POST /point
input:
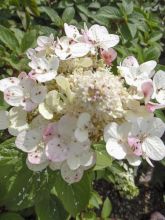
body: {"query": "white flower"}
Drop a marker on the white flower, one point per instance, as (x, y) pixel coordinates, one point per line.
(99, 37)
(22, 91)
(29, 140)
(149, 131)
(81, 132)
(71, 176)
(44, 69)
(64, 146)
(4, 120)
(14, 120)
(135, 74)
(45, 43)
(140, 138)
(72, 32)
(159, 87)
(47, 108)
(65, 49)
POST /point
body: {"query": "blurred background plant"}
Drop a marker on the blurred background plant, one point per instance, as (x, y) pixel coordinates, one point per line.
(140, 25)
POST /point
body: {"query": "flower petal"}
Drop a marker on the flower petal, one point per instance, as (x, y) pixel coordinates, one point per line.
(133, 160)
(116, 149)
(38, 93)
(111, 131)
(56, 151)
(154, 148)
(81, 134)
(27, 141)
(37, 157)
(71, 176)
(36, 167)
(8, 82)
(14, 95)
(4, 120)
(45, 111)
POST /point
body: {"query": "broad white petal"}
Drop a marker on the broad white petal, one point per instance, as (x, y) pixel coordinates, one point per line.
(87, 158)
(111, 131)
(83, 120)
(37, 157)
(133, 160)
(81, 134)
(67, 126)
(36, 167)
(38, 93)
(27, 141)
(73, 162)
(4, 120)
(14, 95)
(8, 82)
(55, 165)
(109, 41)
(116, 149)
(79, 49)
(130, 61)
(56, 151)
(154, 148)
(148, 66)
(45, 77)
(71, 31)
(45, 111)
(71, 176)
(156, 127)
(28, 105)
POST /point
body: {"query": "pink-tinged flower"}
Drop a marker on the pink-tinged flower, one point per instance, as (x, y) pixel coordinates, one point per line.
(99, 37)
(44, 69)
(151, 106)
(66, 49)
(132, 140)
(50, 131)
(147, 89)
(72, 32)
(135, 145)
(135, 74)
(22, 91)
(108, 56)
(159, 87)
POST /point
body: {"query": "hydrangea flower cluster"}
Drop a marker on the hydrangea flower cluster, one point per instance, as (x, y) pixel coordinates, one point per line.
(71, 98)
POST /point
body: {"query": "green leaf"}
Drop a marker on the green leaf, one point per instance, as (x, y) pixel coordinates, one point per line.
(29, 40)
(159, 113)
(152, 53)
(125, 32)
(84, 10)
(68, 14)
(32, 4)
(128, 6)
(103, 160)
(110, 12)
(95, 200)
(50, 208)
(19, 187)
(53, 15)
(8, 38)
(11, 216)
(107, 208)
(156, 36)
(74, 197)
(100, 19)
(133, 29)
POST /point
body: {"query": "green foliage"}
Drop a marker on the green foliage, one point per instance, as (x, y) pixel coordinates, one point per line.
(107, 208)
(74, 197)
